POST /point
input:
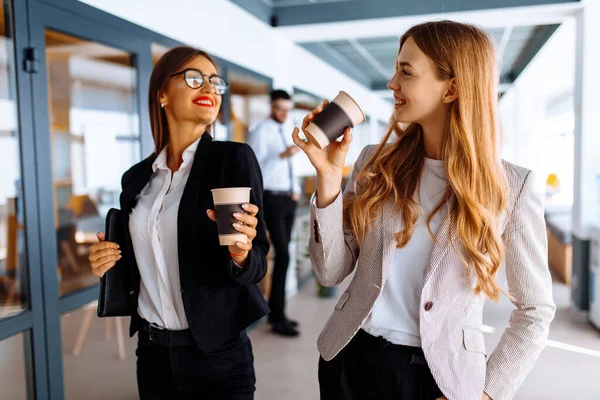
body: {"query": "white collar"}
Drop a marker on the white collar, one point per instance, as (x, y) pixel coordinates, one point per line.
(188, 156)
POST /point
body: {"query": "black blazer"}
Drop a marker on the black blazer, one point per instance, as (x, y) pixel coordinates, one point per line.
(219, 298)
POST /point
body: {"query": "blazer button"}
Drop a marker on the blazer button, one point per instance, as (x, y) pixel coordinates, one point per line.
(428, 306)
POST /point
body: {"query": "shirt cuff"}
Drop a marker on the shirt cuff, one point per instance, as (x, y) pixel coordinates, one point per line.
(236, 264)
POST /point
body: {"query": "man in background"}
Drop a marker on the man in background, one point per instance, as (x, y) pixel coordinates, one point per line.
(271, 143)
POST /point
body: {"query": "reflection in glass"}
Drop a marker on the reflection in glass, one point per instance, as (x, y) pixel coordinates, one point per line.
(94, 128)
(158, 50)
(97, 350)
(13, 379)
(13, 298)
(249, 104)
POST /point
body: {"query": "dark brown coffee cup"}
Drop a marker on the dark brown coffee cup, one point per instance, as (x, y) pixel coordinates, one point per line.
(342, 113)
(228, 201)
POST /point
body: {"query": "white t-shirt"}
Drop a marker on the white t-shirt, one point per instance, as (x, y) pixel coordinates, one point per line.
(395, 315)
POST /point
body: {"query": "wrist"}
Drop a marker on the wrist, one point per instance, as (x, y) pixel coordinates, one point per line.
(239, 258)
(330, 180)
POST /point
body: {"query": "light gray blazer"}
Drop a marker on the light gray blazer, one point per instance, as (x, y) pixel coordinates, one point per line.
(450, 314)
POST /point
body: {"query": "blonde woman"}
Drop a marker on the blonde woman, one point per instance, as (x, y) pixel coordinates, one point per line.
(425, 224)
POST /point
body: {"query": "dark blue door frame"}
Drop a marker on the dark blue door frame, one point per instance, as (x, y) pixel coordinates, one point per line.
(41, 323)
(42, 17)
(31, 322)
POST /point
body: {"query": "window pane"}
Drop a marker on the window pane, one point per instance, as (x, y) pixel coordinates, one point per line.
(158, 50)
(94, 127)
(13, 379)
(249, 104)
(13, 263)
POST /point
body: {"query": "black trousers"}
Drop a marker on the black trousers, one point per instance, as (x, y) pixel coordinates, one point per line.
(371, 368)
(279, 212)
(184, 372)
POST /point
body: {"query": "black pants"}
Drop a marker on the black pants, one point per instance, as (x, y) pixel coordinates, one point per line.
(279, 212)
(184, 372)
(371, 368)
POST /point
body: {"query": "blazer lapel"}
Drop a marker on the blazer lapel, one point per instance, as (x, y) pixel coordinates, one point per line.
(128, 201)
(134, 188)
(188, 213)
(391, 223)
(441, 244)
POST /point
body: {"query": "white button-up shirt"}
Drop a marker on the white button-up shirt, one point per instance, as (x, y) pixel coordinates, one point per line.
(153, 227)
(268, 139)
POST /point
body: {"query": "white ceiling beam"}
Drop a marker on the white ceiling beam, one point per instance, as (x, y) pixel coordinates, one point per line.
(385, 72)
(504, 41)
(344, 60)
(289, 3)
(396, 26)
(503, 87)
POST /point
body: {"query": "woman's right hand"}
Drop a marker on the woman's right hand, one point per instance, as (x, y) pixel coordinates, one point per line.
(103, 256)
(329, 162)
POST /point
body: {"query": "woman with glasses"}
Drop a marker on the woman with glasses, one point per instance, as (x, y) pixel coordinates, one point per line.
(193, 298)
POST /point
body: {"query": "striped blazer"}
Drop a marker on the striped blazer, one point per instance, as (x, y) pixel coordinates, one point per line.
(450, 313)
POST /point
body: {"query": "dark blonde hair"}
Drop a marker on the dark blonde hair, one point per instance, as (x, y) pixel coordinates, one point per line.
(477, 185)
(171, 62)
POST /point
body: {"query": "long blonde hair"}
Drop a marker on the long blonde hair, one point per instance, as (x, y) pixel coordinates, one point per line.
(477, 185)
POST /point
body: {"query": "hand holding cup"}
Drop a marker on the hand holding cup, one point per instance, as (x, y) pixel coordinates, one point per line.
(330, 160)
(236, 220)
(323, 126)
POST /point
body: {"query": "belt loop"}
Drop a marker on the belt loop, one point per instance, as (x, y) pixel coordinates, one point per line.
(383, 342)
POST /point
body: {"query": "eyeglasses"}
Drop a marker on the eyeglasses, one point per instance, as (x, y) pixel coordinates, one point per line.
(195, 79)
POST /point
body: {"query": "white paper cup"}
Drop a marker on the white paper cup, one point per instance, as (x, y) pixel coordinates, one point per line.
(228, 201)
(342, 113)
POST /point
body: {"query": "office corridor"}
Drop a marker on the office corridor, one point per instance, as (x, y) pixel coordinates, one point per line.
(287, 368)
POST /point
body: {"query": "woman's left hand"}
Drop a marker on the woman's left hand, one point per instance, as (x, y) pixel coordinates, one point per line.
(246, 224)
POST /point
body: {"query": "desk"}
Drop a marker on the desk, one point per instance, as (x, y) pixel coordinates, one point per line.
(560, 251)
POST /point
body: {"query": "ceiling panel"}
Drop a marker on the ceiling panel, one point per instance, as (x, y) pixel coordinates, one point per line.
(521, 46)
(496, 34)
(372, 63)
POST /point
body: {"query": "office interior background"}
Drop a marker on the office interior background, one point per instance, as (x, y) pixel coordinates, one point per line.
(73, 117)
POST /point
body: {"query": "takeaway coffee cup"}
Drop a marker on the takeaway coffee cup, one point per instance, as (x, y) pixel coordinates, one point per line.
(343, 112)
(228, 201)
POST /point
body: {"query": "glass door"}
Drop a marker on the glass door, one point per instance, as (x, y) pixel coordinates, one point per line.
(22, 335)
(89, 107)
(247, 101)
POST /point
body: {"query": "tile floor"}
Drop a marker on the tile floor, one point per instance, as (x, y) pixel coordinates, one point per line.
(286, 368)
